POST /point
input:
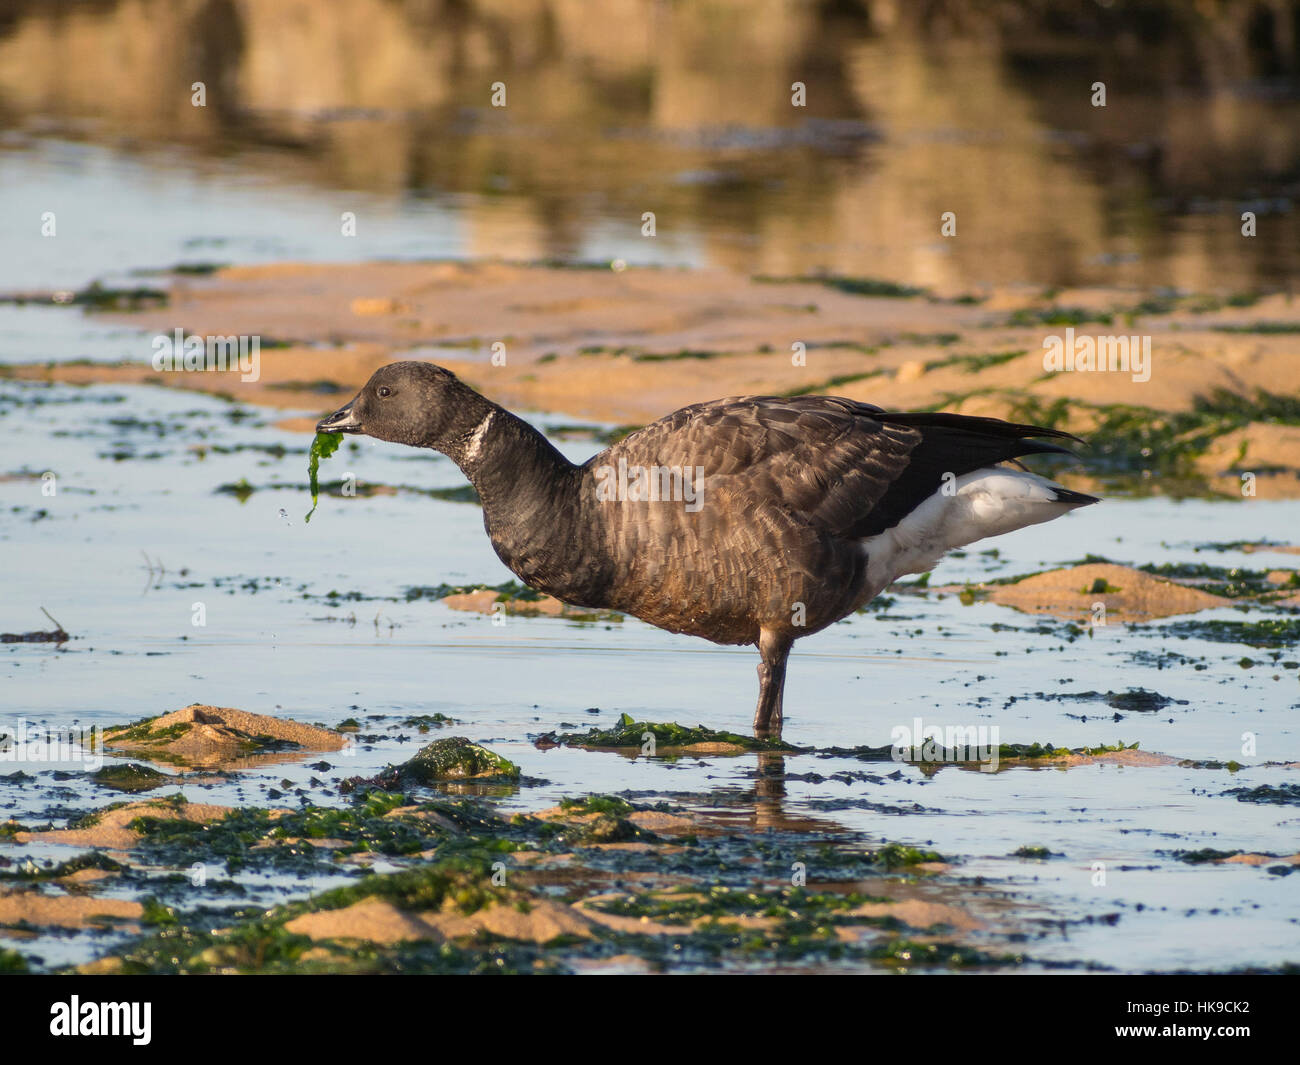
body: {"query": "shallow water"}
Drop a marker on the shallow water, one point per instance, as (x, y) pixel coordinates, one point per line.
(311, 621)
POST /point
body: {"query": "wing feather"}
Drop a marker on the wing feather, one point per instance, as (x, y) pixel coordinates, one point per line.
(825, 460)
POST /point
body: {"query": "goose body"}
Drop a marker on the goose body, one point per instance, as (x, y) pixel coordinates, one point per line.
(749, 520)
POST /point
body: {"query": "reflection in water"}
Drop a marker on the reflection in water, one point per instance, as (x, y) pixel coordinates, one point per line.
(685, 110)
(771, 769)
(769, 790)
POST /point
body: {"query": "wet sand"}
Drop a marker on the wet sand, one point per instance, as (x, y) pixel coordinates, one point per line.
(625, 347)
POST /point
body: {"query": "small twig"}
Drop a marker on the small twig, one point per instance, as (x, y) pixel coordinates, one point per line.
(58, 627)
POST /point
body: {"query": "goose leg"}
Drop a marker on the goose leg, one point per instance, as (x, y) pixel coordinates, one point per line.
(774, 649)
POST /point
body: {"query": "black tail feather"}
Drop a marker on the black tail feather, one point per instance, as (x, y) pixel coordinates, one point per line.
(1067, 495)
(956, 444)
(993, 427)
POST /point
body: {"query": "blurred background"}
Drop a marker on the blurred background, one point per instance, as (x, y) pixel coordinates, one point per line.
(981, 107)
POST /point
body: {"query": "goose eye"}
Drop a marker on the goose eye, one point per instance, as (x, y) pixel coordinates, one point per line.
(385, 391)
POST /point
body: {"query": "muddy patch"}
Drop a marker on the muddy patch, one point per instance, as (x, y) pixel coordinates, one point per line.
(1126, 594)
(213, 736)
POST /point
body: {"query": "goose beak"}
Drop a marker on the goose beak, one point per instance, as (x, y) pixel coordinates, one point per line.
(343, 420)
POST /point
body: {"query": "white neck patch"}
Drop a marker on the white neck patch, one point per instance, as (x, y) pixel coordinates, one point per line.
(476, 441)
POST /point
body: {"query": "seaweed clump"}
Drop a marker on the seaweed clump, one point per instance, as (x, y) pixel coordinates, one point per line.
(451, 759)
(322, 447)
(667, 736)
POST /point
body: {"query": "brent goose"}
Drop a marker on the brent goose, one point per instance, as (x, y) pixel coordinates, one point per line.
(751, 520)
